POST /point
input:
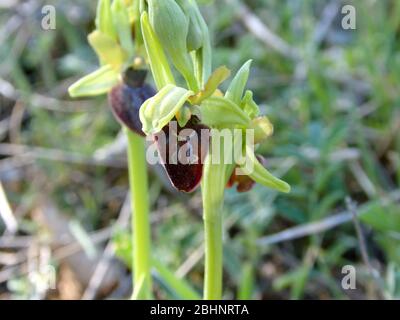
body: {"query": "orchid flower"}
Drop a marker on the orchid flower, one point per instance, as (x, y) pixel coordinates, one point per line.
(175, 31)
(122, 75)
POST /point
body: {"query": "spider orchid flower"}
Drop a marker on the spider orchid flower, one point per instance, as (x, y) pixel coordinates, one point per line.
(120, 74)
(212, 110)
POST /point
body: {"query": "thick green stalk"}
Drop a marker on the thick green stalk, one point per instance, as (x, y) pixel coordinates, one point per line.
(213, 186)
(140, 216)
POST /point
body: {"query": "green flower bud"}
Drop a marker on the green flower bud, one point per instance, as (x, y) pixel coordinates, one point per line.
(195, 37)
(263, 129)
(172, 27)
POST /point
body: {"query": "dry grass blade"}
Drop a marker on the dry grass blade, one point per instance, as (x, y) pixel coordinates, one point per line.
(6, 213)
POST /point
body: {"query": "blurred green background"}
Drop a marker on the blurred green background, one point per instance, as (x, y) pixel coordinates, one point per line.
(333, 96)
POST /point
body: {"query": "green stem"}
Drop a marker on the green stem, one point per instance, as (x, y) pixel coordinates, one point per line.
(140, 216)
(213, 259)
(213, 186)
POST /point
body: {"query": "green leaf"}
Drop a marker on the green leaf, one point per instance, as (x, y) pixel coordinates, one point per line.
(107, 49)
(236, 88)
(157, 111)
(255, 170)
(96, 83)
(180, 287)
(246, 285)
(382, 217)
(218, 76)
(249, 106)
(121, 21)
(104, 21)
(221, 112)
(158, 61)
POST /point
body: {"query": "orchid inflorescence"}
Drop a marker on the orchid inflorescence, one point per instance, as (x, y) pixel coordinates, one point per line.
(172, 38)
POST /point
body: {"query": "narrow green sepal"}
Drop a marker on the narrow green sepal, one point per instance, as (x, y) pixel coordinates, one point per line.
(96, 83)
(255, 170)
(218, 76)
(238, 84)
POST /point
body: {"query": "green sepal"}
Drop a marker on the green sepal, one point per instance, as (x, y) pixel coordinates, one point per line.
(96, 83)
(249, 106)
(220, 112)
(259, 174)
(123, 26)
(238, 84)
(107, 49)
(104, 20)
(159, 110)
(218, 76)
(183, 116)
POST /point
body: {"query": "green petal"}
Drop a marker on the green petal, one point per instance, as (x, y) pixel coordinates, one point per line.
(107, 49)
(218, 76)
(249, 106)
(222, 113)
(236, 88)
(261, 175)
(96, 83)
(104, 22)
(158, 61)
(157, 111)
(121, 21)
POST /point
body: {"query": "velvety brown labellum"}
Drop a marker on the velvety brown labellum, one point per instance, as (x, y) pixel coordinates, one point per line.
(182, 151)
(126, 99)
(243, 183)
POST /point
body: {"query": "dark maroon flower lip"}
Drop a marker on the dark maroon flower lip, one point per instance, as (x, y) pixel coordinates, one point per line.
(184, 177)
(243, 183)
(126, 98)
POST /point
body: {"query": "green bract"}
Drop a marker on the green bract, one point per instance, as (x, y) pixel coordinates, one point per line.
(158, 61)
